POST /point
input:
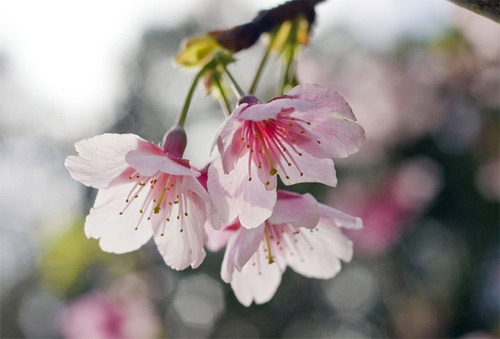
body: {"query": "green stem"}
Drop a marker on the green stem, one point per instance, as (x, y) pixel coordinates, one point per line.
(237, 88)
(291, 44)
(225, 100)
(183, 114)
(263, 61)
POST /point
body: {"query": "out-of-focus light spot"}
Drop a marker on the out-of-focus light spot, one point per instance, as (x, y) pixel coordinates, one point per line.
(198, 301)
(417, 182)
(354, 290)
(38, 314)
(488, 180)
(237, 328)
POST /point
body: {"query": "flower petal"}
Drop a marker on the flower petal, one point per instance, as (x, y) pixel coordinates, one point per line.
(148, 163)
(326, 100)
(101, 158)
(270, 110)
(296, 209)
(223, 204)
(117, 233)
(217, 239)
(240, 248)
(315, 253)
(236, 195)
(340, 218)
(330, 137)
(183, 240)
(310, 169)
(258, 281)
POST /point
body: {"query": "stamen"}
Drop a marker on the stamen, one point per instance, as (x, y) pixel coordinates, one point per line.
(268, 245)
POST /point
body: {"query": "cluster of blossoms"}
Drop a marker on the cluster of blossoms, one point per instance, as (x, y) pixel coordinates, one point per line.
(148, 191)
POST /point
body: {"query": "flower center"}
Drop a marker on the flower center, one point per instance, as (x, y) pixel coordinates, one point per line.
(162, 195)
(272, 144)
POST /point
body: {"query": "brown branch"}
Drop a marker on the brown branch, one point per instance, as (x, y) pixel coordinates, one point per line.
(244, 36)
(487, 8)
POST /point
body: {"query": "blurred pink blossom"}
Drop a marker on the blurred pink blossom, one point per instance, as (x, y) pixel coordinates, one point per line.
(386, 210)
(105, 315)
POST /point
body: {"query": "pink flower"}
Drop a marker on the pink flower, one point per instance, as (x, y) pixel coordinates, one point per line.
(103, 315)
(144, 191)
(300, 233)
(294, 136)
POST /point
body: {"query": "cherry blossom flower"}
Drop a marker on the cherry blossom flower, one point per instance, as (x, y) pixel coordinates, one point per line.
(144, 191)
(111, 313)
(294, 136)
(301, 233)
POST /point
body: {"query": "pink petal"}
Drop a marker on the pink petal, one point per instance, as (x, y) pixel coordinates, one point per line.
(101, 158)
(326, 100)
(223, 204)
(315, 253)
(330, 137)
(183, 240)
(271, 109)
(340, 218)
(226, 130)
(312, 169)
(237, 196)
(117, 232)
(240, 248)
(258, 280)
(217, 239)
(296, 209)
(148, 163)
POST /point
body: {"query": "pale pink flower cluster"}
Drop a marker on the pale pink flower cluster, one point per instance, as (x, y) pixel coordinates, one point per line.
(150, 191)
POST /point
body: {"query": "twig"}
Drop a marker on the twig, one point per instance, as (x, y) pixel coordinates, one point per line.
(244, 36)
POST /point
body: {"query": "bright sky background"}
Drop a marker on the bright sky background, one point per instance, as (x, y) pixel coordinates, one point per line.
(69, 55)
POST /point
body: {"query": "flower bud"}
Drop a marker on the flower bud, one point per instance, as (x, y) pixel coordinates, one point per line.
(248, 99)
(175, 141)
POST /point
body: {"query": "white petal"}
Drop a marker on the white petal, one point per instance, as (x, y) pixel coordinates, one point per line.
(184, 238)
(239, 250)
(117, 232)
(237, 196)
(101, 158)
(258, 280)
(222, 203)
(315, 253)
(313, 170)
(147, 163)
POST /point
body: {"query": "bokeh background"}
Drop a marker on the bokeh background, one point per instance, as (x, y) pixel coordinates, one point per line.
(421, 76)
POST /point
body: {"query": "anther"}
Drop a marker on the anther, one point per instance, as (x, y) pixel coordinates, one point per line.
(249, 179)
(301, 174)
(267, 183)
(318, 141)
(121, 213)
(273, 171)
(300, 154)
(185, 213)
(308, 123)
(287, 177)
